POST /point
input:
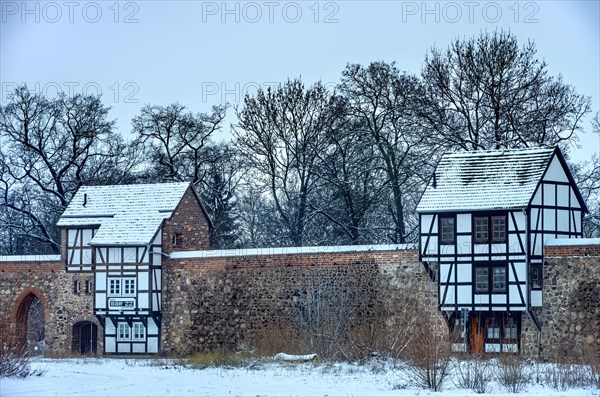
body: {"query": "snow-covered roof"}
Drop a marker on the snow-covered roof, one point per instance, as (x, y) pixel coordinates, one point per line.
(485, 180)
(125, 214)
(289, 250)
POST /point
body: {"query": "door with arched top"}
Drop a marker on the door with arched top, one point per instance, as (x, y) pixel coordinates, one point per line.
(85, 337)
(31, 324)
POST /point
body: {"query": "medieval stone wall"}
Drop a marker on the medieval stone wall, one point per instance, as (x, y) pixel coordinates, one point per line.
(228, 301)
(55, 288)
(570, 315)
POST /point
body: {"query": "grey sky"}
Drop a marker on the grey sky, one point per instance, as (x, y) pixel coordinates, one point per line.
(201, 53)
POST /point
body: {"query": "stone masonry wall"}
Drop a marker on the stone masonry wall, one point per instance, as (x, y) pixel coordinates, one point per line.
(227, 301)
(55, 288)
(570, 316)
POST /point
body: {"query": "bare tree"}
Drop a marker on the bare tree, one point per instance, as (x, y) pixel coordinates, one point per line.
(488, 93)
(176, 139)
(386, 103)
(280, 133)
(49, 148)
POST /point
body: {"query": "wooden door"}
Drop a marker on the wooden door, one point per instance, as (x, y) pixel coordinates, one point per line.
(477, 336)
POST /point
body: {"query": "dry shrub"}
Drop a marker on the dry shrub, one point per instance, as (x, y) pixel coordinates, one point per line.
(14, 357)
(513, 373)
(428, 355)
(564, 376)
(474, 374)
(273, 338)
(219, 358)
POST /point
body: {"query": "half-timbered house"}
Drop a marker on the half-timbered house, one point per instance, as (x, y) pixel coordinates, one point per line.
(119, 234)
(484, 218)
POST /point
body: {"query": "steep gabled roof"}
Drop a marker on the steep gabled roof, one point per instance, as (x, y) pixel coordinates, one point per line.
(485, 180)
(125, 214)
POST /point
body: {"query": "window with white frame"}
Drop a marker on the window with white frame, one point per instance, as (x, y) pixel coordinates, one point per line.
(118, 286)
(125, 333)
(114, 286)
(128, 286)
(139, 331)
(499, 279)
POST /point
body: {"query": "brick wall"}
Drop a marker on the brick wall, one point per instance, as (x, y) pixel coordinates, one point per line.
(189, 222)
(227, 301)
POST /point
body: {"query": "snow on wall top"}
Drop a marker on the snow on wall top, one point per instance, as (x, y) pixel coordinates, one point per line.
(484, 180)
(289, 250)
(125, 214)
(29, 258)
(557, 242)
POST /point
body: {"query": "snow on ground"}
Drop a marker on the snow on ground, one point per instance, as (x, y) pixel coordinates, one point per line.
(146, 377)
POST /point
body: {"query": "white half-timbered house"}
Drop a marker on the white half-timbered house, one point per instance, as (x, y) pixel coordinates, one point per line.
(484, 217)
(117, 234)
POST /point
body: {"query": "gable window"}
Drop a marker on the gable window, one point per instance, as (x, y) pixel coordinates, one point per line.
(481, 229)
(481, 279)
(447, 230)
(499, 228)
(498, 279)
(177, 238)
(536, 276)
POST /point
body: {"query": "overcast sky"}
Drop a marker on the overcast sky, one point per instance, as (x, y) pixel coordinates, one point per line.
(201, 53)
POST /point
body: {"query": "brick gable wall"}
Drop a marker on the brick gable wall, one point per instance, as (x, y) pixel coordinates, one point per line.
(189, 223)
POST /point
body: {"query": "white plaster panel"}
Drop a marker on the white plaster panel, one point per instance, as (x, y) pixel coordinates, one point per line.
(563, 220)
(156, 259)
(114, 255)
(464, 273)
(536, 298)
(463, 244)
(158, 238)
(537, 197)
(124, 347)
(555, 172)
(152, 344)
(519, 220)
(142, 300)
(577, 220)
(138, 348)
(444, 269)
(574, 202)
(498, 248)
(563, 195)
(450, 298)
(481, 299)
(513, 243)
(157, 281)
(426, 224)
(481, 249)
(515, 298)
(499, 298)
(549, 219)
(447, 249)
(129, 255)
(549, 195)
(464, 294)
(152, 327)
(100, 300)
(87, 236)
(110, 344)
(463, 223)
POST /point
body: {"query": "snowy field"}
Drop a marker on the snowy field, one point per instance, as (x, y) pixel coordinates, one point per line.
(128, 377)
